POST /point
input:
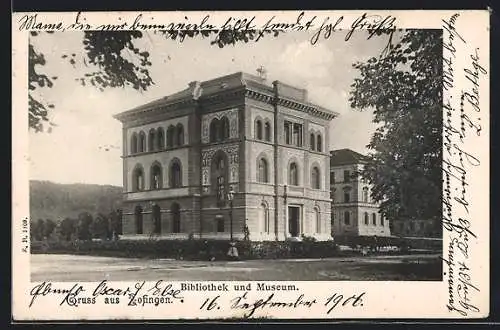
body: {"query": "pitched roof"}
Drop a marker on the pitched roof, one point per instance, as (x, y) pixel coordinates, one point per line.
(231, 81)
(197, 89)
(346, 157)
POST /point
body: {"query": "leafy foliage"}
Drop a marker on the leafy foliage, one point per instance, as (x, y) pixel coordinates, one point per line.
(101, 228)
(115, 218)
(114, 61)
(195, 249)
(404, 87)
(106, 52)
(49, 227)
(38, 111)
(59, 201)
(41, 229)
(67, 228)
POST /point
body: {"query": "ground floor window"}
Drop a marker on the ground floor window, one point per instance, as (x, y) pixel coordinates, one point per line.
(157, 219)
(176, 218)
(138, 219)
(347, 218)
(294, 220)
(220, 224)
(317, 218)
(264, 218)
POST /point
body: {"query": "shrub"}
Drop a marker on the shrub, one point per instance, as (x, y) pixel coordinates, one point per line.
(192, 249)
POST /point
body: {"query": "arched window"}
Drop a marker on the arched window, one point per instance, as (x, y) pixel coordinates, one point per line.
(312, 141)
(138, 219)
(175, 173)
(317, 219)
(170, 136)
(152, 140)
(156, 219)
(347, 218)
(374, 219)
(347, 197)
(262, 174)
(412, 226)
(138, 179)
(224, 129)
(264, 218)
(293, 174)
(382, 220)
(214, 128)
(267, 131)
(142, 142)
(220, 224)
(365, 194)
(319, 145)
(175, 210)
(219, 172)
(160, 139)
(315, 178)
(156, 177)
(366, 218)
(258, 129)
(180, 135)
(133, 143)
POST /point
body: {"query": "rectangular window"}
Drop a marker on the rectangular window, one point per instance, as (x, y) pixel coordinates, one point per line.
(346, 197)
(347, 176)
(293, 133)
(332, 177)
(286, 128)
(297, 135)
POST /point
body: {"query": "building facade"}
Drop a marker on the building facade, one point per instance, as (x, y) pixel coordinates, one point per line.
(354, 213)
(236, 135)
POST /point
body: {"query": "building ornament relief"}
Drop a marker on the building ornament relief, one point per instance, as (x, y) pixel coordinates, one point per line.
(232, 116)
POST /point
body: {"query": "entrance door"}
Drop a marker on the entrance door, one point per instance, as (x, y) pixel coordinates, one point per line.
(293, 220)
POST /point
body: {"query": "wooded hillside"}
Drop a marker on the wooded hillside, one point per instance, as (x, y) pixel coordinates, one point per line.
(55, 201)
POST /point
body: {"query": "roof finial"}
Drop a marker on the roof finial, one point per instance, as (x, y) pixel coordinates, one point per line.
(262, 72)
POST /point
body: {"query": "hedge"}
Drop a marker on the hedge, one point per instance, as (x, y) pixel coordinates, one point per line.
(404, 243)
(204, 249)
(190, 249)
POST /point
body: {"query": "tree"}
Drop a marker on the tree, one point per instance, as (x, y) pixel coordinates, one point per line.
(119, 221)
(115, 222)
(84, 226)
(113, 60)
(37, 230)
(67, 228)
(100, 227)
(49, 228)
(404, 88)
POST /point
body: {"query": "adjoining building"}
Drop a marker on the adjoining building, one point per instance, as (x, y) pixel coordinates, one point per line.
(354, 213)
(236, 135)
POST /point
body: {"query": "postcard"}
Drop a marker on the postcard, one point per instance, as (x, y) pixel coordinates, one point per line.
(250, 165)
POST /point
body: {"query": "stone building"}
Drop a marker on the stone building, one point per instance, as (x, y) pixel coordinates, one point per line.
(354, 213)
(184, 153)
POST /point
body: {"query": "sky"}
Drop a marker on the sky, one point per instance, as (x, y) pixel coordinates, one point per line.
(77, 149)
